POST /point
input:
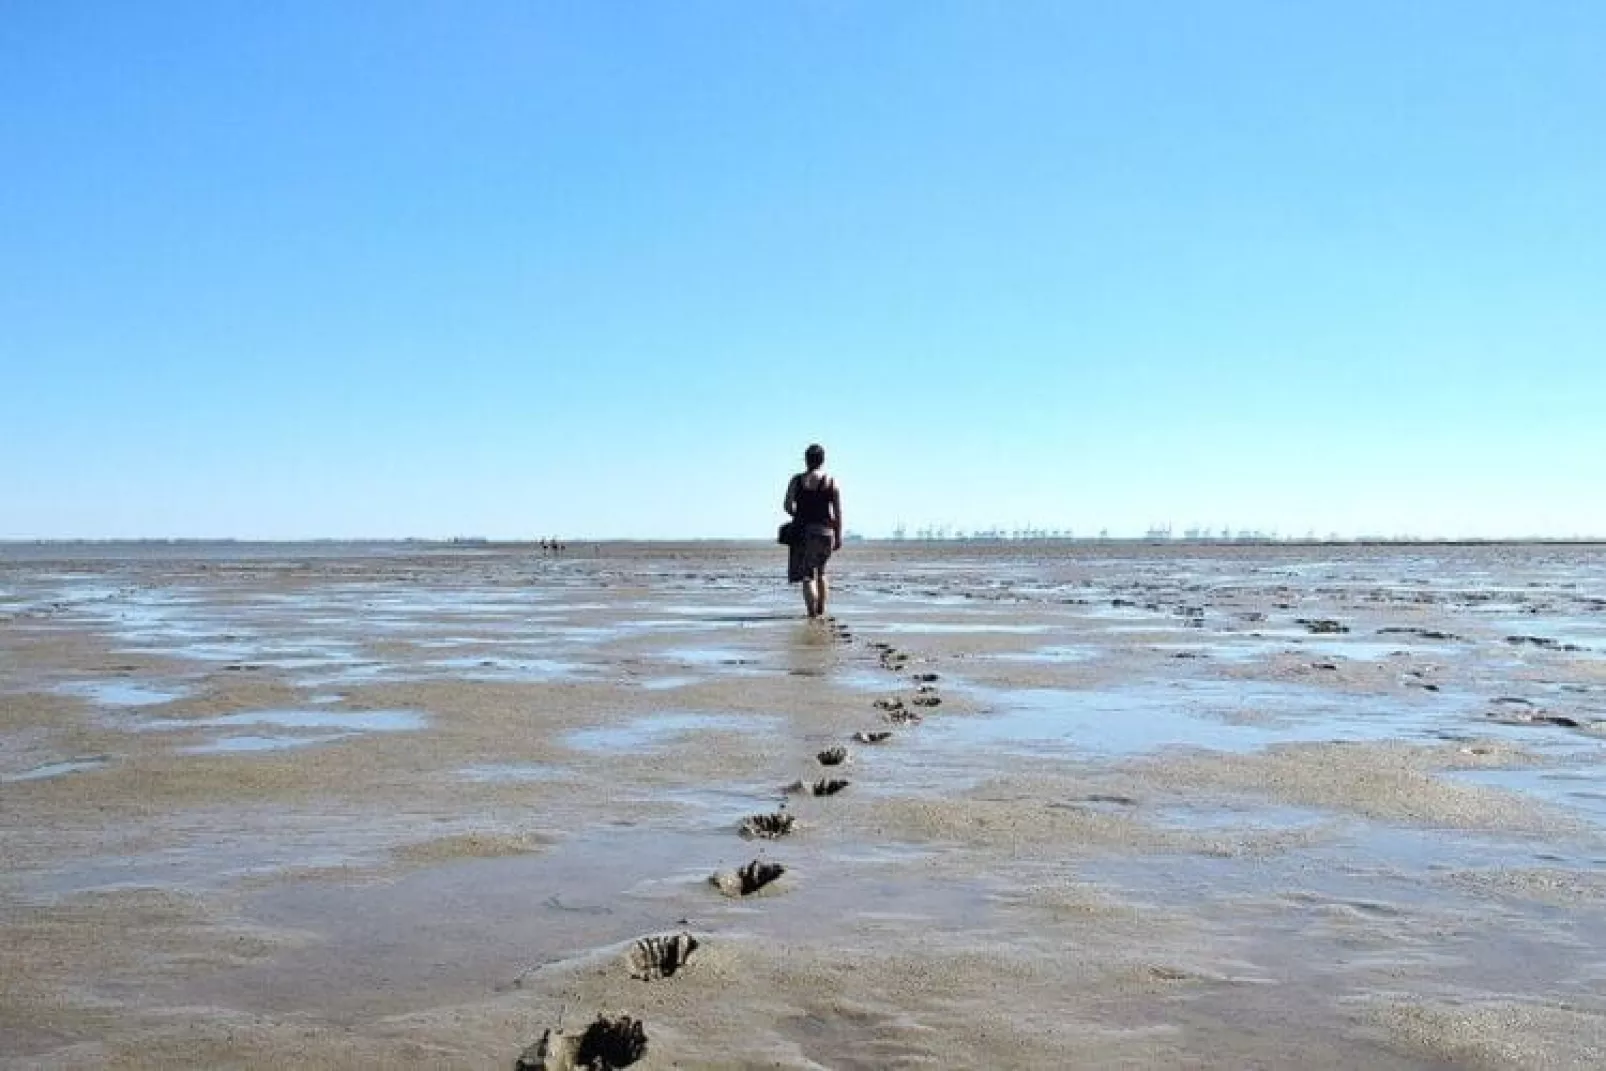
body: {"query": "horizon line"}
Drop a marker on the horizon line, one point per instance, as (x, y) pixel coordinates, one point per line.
(1145, 540)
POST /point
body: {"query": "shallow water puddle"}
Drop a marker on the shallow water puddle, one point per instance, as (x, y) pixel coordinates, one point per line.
(1373, 650)
(231, 744)
(370, 721)
(508, 669)
(1579, 789)
(668, 684)
(725, 614)
(347, 723)
(721, 806)
(1105, 611)
(725, 659)
(442, 643)
(210, 850)
(1411, 849)
(58, 769)
(1169, 625)
(353, 673)
(1254, 647)
(632, 629)
(119, 693)
(456, 602)
(210, 646)
(1359, 862)
(657, 730)
(1123, 721)
(1052, 655)
(1586, 633)
(857, 678)
(945, 628)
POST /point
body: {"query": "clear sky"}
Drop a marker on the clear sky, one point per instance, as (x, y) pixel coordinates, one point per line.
(604, 269)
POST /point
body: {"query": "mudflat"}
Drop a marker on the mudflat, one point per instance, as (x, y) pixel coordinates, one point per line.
(1021, 805)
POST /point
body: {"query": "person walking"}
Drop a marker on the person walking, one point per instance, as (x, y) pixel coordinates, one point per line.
(814, 502)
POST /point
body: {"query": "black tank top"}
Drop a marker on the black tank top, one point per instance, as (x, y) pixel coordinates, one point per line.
(814, 505)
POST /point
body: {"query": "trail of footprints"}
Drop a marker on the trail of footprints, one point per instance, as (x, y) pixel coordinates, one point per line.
(609, 1042)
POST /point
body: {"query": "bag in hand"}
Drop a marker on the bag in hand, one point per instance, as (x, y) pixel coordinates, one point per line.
(784, 536)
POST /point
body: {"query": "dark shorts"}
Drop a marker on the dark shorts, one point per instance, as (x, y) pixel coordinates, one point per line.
(808, 554)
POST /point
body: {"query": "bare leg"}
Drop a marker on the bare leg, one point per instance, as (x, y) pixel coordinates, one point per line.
(820, 594)
(809, 603)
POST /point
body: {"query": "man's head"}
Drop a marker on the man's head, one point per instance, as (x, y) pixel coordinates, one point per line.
(814, 456)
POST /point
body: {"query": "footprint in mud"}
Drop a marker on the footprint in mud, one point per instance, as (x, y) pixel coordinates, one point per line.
(872, 737)
(833, 756)
(825, 786)
(604, 1045)
(888, 705)
(767, 826)
(925, 678)
(746, 880)
(903, 717)
(927, 701)
(660, 956)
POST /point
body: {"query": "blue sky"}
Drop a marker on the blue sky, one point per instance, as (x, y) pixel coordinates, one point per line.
(604, 269)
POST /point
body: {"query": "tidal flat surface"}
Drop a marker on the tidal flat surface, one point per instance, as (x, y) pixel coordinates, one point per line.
(1135, 806)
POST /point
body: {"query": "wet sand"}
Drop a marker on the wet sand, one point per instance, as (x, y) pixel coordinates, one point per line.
(1140, 806)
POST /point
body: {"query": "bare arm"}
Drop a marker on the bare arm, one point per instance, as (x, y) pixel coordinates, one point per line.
(789, 503)
(836, 512)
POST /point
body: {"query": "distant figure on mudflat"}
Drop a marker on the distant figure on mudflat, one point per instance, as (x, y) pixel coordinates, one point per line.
(814, 503)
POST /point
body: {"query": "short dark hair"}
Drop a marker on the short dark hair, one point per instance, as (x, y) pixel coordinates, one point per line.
(814, 456)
